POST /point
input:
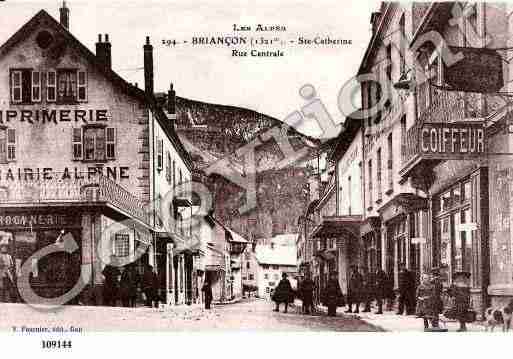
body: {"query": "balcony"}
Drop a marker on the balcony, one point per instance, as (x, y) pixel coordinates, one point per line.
(451, 127)
(60, 189)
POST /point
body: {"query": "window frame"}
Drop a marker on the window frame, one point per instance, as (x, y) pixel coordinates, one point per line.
(83, 86)
(34, 85)
(111, 143)
(18, 72)
(11, 145)
(51, 86)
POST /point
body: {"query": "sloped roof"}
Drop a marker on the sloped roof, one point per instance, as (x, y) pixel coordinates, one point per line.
(287, 239)
(279, 255)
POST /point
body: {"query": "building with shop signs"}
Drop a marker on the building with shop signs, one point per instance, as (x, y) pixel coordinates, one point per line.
(86, 154)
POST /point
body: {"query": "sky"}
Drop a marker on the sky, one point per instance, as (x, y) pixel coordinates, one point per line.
(267, 85)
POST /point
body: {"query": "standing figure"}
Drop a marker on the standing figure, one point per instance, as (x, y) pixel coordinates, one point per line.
(390, 294)
(406, 287)
(355, 290)
(283, 293)
(460, 291)
(427, 302)
(7, 270)
(111, 283)
(128, 286)
(306, 292)
(207, 292)
(369, 282)
(149, 286)
(381, 289)
(333, 296)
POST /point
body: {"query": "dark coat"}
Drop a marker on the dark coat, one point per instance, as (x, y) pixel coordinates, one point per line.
(111, 284)
(283, 292)
(332, 295)
(207, 289)
(355, 287)
(149, 280)
(381, 284)
(129, 283)
(306, 290)
(369, 286)
(405, 282)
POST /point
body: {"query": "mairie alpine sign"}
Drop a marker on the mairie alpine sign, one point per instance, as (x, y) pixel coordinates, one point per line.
(447, 140)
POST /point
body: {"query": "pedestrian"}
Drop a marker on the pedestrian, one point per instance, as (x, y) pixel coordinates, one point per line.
(7, 269)
(207, 292)
(128, 286)
(354, 290)
(306, 291)
(381, 289)
(460, 292)
(406, 290)
(149, 286)
(428, 305)
(283, 293)
(390, 294)
(333, 296)
(368, 288)
(111, 284)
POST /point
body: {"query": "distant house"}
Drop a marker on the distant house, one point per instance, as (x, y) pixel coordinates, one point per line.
(273, 260)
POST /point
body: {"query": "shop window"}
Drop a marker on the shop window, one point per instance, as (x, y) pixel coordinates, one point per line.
(121, 245)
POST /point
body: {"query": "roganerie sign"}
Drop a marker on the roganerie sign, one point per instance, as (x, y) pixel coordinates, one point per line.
(452, 139)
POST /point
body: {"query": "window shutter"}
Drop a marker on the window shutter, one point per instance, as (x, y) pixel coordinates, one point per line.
(160, 148)
(3, 146)
(36, 86)
(82, 86)
(11, 144)
(111, 142)
(51, 86)
(77, 144)
(16, 85)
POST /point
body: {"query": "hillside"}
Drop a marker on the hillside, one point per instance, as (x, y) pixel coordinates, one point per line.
(210, 132)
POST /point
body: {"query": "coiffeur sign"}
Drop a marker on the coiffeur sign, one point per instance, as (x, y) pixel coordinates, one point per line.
(460, 139)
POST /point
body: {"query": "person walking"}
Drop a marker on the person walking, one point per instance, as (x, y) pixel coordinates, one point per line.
(207, 292)
(381, 289)
(354, 290)
(406, 287)
(128, 286)
(7, 270)
(111, 283)
(283, 293)
(149, 286)
(306, 292)
(333, 296)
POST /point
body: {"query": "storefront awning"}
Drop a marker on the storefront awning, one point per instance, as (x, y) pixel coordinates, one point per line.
(332, 226)
(402, 204)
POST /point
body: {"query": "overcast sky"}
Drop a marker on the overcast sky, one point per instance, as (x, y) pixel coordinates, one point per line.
(211, 74)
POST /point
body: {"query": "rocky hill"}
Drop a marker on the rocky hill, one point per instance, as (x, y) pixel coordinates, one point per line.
(211, 132)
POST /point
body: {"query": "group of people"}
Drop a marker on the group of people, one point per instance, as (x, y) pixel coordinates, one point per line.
(365, 287)
(124, 285)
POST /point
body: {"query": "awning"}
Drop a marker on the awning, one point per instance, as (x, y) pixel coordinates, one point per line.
(402, 204)
(332, 226)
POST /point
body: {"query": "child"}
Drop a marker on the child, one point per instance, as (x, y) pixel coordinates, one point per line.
(460, 291)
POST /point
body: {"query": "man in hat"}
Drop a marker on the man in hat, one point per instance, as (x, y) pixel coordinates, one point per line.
(6, 274)
(333, 296)
(406, 290)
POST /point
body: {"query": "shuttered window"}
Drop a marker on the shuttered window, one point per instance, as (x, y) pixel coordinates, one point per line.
(36, 86)
(111, 142)
(11, 144)
(77, 144)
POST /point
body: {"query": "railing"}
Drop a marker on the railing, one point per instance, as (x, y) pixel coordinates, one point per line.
(69, 188)
(447, 106)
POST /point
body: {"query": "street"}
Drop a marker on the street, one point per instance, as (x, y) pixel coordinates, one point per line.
(253, 314)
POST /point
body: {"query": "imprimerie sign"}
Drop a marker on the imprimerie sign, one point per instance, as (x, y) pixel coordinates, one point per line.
(448, 140)
(53, 116)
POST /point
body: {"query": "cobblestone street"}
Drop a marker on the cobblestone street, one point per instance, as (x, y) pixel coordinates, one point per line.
(251, 314)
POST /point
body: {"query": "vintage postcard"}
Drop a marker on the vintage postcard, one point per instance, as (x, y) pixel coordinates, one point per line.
(272, 166)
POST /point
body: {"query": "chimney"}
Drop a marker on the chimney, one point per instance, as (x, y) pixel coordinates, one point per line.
(64, 11)
(148, 67)
(103, 53)
(171, 101)
(375, 21)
